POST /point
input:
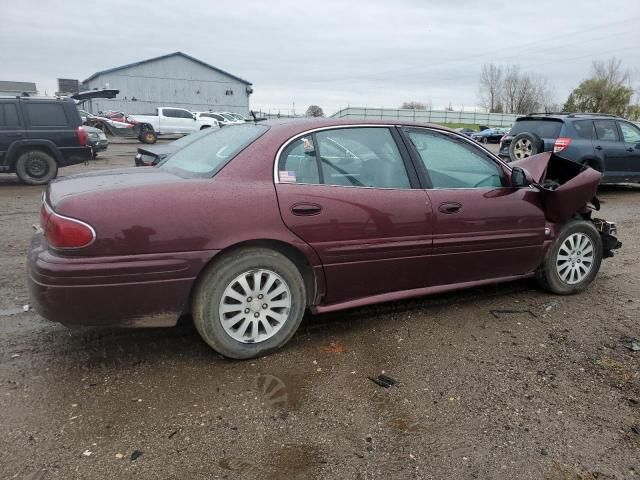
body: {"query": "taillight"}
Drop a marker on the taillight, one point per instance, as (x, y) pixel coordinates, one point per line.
(561, 144)
(64, 232)
(81, 133)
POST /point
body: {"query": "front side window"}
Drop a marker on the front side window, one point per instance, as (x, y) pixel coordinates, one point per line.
(453, 163)
(46, 114)
(298, 162)
(169, 112)
(204, 157)
(361, 157)
(606, 130)
(630, 133)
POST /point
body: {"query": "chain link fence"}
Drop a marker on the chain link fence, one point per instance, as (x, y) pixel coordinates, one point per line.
(429, 116)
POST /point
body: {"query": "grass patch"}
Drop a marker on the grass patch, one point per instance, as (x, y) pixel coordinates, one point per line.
(460, 125)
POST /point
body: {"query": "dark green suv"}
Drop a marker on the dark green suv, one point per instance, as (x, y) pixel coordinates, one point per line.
(40, 135)
(607, 143)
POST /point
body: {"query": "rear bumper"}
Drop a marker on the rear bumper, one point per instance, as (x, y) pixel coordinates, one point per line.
(124, 291)
(75, 155)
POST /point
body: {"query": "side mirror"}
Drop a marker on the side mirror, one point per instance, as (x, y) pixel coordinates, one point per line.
(194, 118)
(520, 177)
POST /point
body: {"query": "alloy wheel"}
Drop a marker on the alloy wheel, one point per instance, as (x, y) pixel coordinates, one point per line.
(575, 258)
(522, 148)
(254, 306)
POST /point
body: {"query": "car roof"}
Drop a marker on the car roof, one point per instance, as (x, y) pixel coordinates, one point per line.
(562, 116)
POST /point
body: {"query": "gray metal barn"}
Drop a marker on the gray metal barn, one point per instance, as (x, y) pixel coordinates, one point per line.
(10, 89)
(173, 80)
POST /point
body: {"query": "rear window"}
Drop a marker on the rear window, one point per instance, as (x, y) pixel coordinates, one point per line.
(207, 155)
(46, 114)
(542, 128)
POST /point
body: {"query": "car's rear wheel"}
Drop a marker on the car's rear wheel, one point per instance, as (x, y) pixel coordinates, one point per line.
(249, 303)
(573, 260)
(35, 167)
(525, 145)
(485, 140)
(148, 136)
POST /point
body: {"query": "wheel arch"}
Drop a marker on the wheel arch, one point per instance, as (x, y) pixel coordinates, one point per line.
(18, 148)
(593, 162)
(312, 278)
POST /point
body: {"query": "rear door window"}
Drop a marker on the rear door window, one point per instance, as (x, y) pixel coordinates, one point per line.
(9, 115)
(361, 157)
(584, 128)
(542, 128)
(46, 114)
(606, 130)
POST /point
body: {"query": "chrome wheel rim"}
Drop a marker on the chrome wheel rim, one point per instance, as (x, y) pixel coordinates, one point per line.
(522, 148)
(255, 306)
(575, 258)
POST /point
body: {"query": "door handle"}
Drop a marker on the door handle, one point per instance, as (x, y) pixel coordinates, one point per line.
(598, 147)
(450, 207)
(306, 209)
(629, 149)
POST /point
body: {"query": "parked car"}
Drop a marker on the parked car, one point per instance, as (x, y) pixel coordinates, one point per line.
(250, 225)
(606, 143)
(170, 121)
(97, 140)
(239, 117)
(153, 154)
(39, 135)
(466, 131)
(233, 117)
(222, 121)
(489, 135)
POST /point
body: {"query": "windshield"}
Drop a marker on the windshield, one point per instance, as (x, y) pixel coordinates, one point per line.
(542, 128)
(228, 117)
(205, 156)
(187, 139)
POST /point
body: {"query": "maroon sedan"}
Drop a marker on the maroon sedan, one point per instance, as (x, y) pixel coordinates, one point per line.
(252, 224)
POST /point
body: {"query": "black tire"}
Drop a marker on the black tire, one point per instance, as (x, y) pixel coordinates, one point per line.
(211, 287)
(485, 140)
(533, 141)
(148, 136)
(94, 154)
(35, 167)
(548, 274)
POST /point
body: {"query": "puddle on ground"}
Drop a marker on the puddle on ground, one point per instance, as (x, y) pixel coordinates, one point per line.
(283, 392)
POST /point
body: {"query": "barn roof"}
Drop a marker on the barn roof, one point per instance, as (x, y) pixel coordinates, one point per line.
(174, 54)
(19, 87)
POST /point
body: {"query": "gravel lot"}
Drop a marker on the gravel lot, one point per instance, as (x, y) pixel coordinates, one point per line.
(545, 391)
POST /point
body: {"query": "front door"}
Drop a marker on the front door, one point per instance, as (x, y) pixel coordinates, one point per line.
(610, 147)
(631, 138)
(350, 194)
(483, 228)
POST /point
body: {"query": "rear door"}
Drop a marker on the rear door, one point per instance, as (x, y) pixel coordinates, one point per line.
(352, 194)
(610, 147)
(10, 126)
(483, 228)
(631, 137)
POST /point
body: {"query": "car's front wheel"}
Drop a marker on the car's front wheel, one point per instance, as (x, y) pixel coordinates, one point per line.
(249, 303)
(573, 259)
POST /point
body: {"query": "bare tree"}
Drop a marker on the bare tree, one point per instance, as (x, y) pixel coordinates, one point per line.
(526, 92)
(490, 89)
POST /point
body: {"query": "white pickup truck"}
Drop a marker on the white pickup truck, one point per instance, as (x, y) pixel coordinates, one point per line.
(170, 121)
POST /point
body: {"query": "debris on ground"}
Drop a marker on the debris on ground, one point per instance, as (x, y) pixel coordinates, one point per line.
(119, 456)
(15, 355)
(135, 455)
(631, 343)
(334, 347)
(172, 434)
(383, 381)
(87, 453)
(498, 313)
(26, 308)
(636, 429)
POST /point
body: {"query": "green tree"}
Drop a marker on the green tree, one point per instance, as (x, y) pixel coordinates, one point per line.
(314, 111)
(607, 91)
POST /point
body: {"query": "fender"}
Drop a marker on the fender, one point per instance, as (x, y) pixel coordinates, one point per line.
(11, 157)
(595, 162)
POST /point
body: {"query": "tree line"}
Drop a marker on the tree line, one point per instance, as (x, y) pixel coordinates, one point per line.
(507, 89)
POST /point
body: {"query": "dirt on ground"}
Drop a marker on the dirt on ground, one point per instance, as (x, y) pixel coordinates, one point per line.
(502, 382)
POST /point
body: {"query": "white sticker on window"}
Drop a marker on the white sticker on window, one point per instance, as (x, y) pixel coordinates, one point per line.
(287, 176)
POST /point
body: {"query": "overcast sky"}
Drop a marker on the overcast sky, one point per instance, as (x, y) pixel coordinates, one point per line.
(332, 53)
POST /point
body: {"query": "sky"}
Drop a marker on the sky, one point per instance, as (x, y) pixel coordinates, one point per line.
(333, 53)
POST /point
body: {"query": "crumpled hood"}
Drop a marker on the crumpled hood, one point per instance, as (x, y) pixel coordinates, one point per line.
(115, 180)
(566, 187)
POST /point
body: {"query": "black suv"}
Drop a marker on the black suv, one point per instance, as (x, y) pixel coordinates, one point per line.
(39, 135)
(607, 143)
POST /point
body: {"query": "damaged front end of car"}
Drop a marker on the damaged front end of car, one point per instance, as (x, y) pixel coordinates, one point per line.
(568, 190)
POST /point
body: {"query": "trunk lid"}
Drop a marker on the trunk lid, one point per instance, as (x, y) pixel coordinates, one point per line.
(566, 187)
(112, 180)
